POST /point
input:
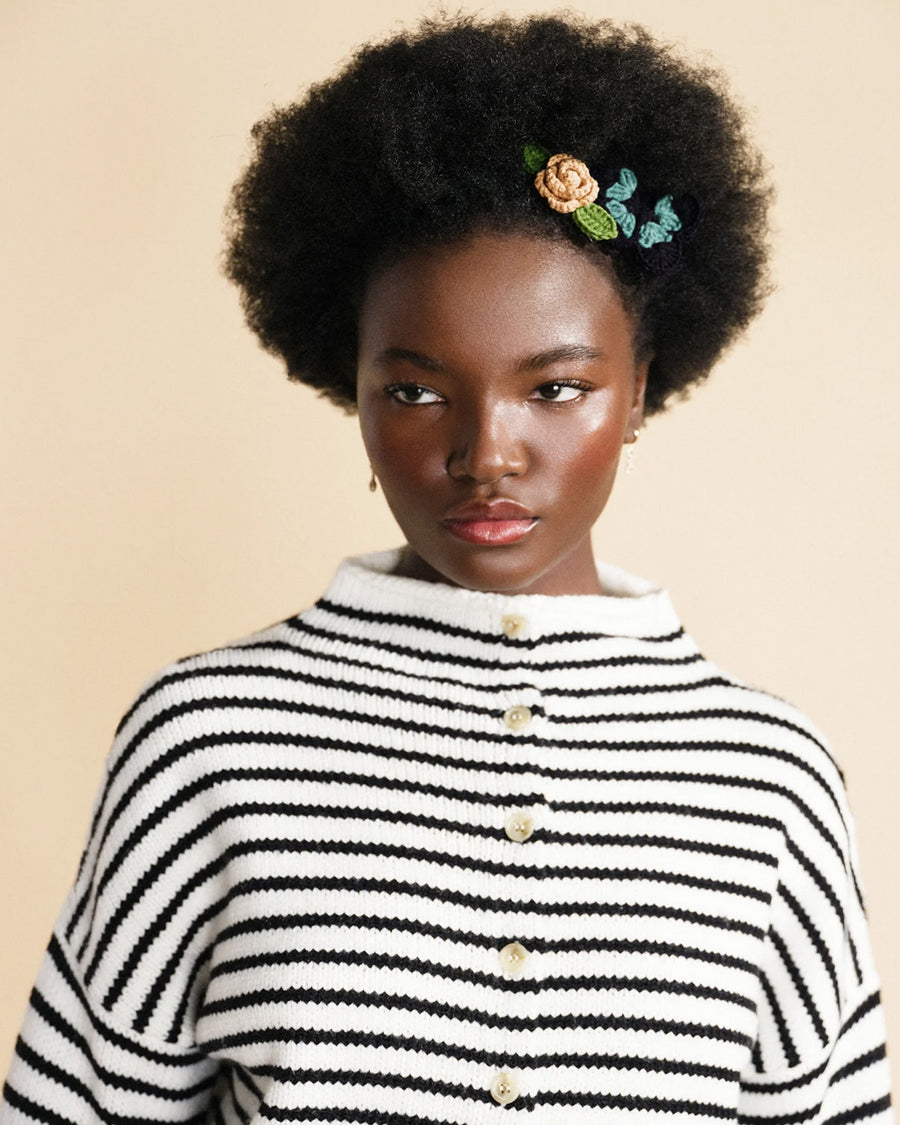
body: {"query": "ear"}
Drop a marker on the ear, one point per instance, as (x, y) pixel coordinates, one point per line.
(636, 416)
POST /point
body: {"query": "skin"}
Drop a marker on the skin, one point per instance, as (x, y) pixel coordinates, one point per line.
(502, 366)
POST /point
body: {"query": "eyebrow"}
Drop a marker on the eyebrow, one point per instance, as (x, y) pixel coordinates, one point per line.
(535, 362)
(556, 355)
(392, 355)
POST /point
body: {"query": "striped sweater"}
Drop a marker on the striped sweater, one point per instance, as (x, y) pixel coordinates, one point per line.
(429, 856)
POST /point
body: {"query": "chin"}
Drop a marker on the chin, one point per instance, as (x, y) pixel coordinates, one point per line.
(492, 570)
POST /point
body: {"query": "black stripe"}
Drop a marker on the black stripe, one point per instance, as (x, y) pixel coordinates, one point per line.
(701, 812)
(757, 1057)
(480, 1017)
(858, 1064)
(189, 993)
(242, 1115)
(483, 941)
(777, 1086)
(430, 970)
(31, 1109)
(784, 1034)
(799, 983)
(664, 843)
(247, 1081)
(857, 890)
(566, 692)
(860, 1113)
(321, 1037)
(480, 664)
(440, 629)
(456, 1090)
(635, 1102)
(846, 1117)
(332, 1114)
(854, 954)
(797, 1118)
(871, 1002)
(698, 713)
(817, 877)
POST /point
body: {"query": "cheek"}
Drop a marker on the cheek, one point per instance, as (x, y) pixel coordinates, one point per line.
(398, 450)
(584, 457)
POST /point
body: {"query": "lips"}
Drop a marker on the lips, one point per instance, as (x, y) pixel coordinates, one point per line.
(489, 523)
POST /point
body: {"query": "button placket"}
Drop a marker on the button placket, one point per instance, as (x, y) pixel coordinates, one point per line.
(512, 956)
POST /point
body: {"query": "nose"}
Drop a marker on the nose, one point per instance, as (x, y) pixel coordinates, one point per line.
(486, 445)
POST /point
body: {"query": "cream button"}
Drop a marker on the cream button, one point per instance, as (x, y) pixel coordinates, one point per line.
(519, 826)
(513, 958)
(513, 626)
(504, 1088)
(517, 717)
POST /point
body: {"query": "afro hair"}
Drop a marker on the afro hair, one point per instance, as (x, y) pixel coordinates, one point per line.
(419, 139)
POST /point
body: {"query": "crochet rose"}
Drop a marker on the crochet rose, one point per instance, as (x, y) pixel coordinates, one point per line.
(566, 183)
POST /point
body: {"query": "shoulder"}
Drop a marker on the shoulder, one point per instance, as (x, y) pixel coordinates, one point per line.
(785, 754)
(195, 728)
(189, 699)
(231, 665)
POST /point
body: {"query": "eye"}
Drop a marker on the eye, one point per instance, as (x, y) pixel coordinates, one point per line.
(561, 390)
(412, 394)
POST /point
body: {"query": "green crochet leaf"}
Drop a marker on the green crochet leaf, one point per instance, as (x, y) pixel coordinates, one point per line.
(596, 222)
(535, 156)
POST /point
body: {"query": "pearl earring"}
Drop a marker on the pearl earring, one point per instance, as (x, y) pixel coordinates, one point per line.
(373, 483)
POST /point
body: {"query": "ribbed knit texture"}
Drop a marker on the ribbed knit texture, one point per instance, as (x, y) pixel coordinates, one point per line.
(298, 882)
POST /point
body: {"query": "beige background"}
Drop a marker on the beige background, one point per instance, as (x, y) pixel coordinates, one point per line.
(164, 489)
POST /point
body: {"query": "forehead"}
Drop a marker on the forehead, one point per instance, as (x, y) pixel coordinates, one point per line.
(502, 295)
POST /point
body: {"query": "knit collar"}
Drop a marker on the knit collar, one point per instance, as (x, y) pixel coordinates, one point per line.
(630, 606)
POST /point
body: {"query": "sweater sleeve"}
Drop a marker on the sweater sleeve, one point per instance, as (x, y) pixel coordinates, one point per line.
(819, 1058)
(108, 1034)
(73, 1066)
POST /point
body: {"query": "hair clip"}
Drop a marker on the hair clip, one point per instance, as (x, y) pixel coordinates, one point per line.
(567, 185)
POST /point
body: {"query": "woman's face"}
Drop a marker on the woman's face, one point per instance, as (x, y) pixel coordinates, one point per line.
(497, 382)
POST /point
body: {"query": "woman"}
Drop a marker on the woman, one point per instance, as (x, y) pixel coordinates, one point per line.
(483, 828)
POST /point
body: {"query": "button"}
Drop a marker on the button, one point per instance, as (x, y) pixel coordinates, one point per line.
(513, 958)
(517, 717)
(504, 1088)
(513, 626)
(519, 826)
